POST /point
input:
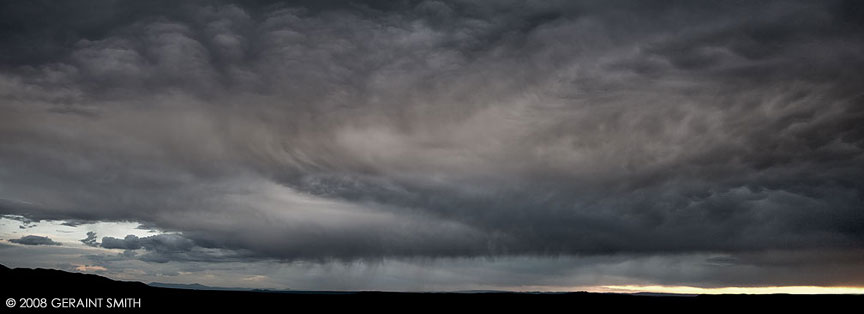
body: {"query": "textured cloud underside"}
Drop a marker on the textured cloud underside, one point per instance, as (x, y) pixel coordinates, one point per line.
(441, 129)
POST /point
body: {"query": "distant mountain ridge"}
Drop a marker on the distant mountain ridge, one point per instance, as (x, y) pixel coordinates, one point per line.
(198, 286)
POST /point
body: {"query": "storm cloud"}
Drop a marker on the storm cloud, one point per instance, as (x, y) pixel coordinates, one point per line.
(34, 240)
(315, 131)
(162, 248)
(90, 240)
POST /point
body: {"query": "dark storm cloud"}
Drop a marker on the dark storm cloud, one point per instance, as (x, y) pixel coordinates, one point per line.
(167, 247)
(162, 242)
(90, 240)
(34, 240)
(130, 242)
(314, 131)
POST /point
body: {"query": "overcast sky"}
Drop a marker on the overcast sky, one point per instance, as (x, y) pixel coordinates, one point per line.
(422, 145)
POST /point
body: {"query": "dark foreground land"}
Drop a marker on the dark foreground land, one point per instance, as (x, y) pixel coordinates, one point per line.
(74, 292)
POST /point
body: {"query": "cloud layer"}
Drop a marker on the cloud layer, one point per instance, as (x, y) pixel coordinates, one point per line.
(316, 131)
(34, 240)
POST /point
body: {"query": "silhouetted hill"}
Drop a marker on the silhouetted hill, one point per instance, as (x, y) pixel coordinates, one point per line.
(55, 286)
(39, 281)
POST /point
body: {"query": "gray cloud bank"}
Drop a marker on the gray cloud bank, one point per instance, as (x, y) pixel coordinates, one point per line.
(316, 131)
(166, 247)
(34, 240)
